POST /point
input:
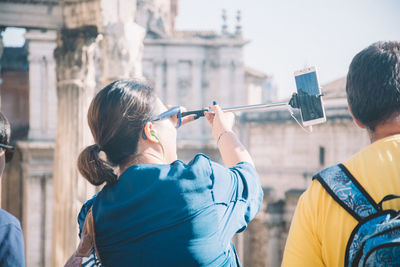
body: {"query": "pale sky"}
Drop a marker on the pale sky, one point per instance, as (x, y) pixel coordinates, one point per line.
(287, 35)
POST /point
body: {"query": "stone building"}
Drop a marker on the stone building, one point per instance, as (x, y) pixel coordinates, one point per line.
(73, 48)
(194, 68)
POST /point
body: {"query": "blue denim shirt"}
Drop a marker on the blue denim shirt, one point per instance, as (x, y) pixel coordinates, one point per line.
(176, 214)
(11, 241)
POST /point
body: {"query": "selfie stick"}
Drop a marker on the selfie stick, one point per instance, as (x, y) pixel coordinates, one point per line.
(294, 103)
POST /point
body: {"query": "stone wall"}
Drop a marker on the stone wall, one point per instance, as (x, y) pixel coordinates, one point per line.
(287, 157)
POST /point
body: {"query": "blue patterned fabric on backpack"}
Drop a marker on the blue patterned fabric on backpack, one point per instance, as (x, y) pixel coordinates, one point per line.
(376, 239)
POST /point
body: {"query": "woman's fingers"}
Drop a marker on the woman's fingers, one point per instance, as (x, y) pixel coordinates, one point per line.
(188, 118)
(217, 109)
(210, 117)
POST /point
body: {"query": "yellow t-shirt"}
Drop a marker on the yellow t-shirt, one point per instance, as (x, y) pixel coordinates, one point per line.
(321, 227)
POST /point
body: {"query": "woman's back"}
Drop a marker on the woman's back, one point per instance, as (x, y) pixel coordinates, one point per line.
(167, 215)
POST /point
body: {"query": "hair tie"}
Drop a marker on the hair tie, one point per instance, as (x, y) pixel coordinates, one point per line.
(98, 148)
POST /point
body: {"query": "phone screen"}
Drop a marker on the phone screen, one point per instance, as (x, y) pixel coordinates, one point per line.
(310, 102)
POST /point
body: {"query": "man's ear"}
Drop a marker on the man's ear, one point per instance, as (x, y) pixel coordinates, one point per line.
(150, 133)
(358, 123)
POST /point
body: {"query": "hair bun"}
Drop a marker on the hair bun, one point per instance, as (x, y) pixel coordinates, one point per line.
(95, 169)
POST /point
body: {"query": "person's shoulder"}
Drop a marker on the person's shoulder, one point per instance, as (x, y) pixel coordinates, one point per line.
(199, 161)
(314, 192)
(382, 150)
(245, 166)
(316, 195)
(200, 158)
(7, 219)
(204, 162)
(380, 157)
(200, 167)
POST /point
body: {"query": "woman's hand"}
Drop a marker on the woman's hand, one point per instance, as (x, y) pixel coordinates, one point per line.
(188, 118)
(232, 151)
(220, 121)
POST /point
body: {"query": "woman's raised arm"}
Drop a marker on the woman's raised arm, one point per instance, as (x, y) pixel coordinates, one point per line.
(231, 149)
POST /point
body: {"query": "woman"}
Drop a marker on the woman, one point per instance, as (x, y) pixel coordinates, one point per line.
(154, 209)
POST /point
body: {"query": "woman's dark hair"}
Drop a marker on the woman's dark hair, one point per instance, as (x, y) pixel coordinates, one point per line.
(116, 119)
(5, 130)
(373, 84)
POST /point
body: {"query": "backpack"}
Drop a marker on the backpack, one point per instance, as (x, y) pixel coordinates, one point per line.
(376, 239)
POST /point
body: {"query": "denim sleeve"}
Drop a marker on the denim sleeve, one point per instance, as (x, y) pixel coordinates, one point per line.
(12, 245)
(238, 193)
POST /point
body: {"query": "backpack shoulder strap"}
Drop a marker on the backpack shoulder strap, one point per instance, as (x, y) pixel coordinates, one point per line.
(347, 191)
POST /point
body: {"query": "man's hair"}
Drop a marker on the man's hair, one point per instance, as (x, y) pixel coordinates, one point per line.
(373, 84)
(5, 130)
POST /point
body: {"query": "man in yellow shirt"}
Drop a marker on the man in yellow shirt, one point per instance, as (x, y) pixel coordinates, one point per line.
(320, 227)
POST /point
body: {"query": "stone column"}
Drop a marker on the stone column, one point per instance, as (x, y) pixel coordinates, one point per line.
(256, 235)
(122, 45)
(37, 207)
(171, 97)
(202, 132)
(1, 54)
(159, 78)
(291, 198)
(37, 152)
(42, 84)
(76, 86)
(224, 92)
(195, 130)
(99, 43)
(275, 225)
(238, 84)
(204, 87)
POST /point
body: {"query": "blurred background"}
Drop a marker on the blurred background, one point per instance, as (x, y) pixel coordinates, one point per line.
(56, 54)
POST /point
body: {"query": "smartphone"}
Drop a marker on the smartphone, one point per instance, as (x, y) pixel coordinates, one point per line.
(309, 97)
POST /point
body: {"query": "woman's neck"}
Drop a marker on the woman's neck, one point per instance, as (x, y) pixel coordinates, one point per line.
(149, 157)
(146, 157)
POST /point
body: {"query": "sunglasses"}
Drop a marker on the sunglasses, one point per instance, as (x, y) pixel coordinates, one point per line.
(169, 113)
(9, 151)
